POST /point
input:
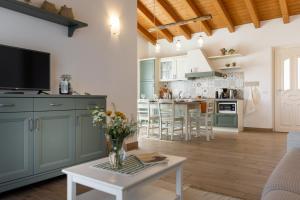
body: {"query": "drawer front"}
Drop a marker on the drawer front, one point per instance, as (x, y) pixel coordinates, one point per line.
(45, 104)
(226, 120)
(89, 103)
(16, 104)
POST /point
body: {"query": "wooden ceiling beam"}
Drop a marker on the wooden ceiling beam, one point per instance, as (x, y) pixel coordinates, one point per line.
(187, 32)
(284, 11)
(148, 36)
(223, 13)
(167, 34)
(198, 13)
(253, 13)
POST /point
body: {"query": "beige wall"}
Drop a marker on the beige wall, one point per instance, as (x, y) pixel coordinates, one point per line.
(97, 63)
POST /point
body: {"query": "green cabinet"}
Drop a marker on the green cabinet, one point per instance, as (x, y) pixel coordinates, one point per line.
(90, 140)
(226, 120)
(16, 145)
(54, 138)
(147, 70)
(147, 78)
(147, 89)
(42, 134)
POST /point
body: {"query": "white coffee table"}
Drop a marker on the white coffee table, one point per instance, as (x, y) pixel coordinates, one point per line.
(111, 186)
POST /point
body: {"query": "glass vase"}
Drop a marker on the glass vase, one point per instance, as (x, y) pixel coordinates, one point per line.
(117, 153)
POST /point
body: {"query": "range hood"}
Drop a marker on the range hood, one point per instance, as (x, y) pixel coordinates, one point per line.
(200, 66)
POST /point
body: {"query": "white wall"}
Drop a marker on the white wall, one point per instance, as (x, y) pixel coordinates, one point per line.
(256, 45)
(97, 63)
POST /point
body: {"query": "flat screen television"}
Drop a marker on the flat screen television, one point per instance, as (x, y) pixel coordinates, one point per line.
(23, 69)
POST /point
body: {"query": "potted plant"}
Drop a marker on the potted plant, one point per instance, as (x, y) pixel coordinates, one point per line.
(117, 127)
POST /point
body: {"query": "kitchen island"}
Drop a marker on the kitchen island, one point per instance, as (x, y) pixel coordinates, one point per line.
(226, 119)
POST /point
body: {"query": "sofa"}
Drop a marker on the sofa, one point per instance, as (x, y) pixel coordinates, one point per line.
(284, 182)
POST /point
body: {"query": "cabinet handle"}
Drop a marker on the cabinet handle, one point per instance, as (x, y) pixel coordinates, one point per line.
(92, 104)
(30, 124)
(7, 105)
(37, 124)
(55, 105)
(77, 121)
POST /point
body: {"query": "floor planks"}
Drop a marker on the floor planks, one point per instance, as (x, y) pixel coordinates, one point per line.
(233, 165)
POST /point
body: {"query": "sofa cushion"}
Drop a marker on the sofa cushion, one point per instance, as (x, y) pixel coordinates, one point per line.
(293, 140)
(281, 195)
(286, 176)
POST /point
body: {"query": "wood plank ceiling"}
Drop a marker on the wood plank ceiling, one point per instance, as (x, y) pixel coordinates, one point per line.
(225, 13)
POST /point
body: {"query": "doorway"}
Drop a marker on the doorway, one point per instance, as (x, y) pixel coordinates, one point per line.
(287, 89)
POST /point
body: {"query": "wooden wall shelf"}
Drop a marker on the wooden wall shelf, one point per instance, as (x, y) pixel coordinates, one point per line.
(43, 14)
(224, 56)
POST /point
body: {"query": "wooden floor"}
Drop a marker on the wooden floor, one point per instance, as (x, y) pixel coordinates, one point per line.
(234, 165)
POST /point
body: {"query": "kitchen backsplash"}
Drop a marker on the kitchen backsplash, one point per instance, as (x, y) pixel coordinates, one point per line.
(206, 87)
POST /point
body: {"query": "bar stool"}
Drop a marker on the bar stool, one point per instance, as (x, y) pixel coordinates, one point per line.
(169, 120)
(147, 116)
(202, 122)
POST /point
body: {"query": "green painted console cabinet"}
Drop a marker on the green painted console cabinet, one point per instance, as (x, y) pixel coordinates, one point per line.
(42, 134)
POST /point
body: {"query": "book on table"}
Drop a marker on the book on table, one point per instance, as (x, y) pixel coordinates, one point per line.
(151, 158)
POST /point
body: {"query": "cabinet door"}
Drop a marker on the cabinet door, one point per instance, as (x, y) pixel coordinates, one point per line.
(16, 146)
(168, 69)
(226, 120)
(54, 138)
(181, 66)
(147, 89)
(90, 140)
(147, 70)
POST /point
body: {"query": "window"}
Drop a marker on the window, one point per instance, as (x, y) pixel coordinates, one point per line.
(287, 74)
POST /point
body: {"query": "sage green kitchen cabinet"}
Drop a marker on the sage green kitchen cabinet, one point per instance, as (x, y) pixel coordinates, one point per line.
(147, 78)
(147, 90)
(16, 145)
(147, 70)
(90, 140)
(54, 138)
(226, 120)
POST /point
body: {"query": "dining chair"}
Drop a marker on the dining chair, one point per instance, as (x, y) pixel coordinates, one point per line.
(170, 120)
(147, 116)
(202, 122)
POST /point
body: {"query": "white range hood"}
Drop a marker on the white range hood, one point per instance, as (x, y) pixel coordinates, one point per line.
(199, 65)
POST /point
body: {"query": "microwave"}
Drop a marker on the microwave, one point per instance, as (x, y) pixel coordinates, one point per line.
(227, 107)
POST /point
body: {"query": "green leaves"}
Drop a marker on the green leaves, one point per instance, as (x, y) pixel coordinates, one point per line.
(116, 123)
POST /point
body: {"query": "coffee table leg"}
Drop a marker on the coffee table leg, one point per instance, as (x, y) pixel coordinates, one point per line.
(179, 192)
(71, 187)
(120, 196)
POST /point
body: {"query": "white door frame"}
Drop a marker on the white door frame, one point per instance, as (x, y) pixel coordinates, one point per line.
(276, 77)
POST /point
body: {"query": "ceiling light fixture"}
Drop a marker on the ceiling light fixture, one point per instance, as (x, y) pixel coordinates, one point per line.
(157, 47)
(178, 45)
(200, 41)
(180, 23)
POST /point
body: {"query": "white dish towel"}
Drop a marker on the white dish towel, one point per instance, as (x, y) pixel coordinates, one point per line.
(252, 100)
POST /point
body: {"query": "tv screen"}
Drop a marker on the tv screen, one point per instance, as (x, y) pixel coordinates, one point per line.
(23, 69)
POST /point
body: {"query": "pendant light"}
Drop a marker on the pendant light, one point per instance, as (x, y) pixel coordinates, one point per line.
(178, 45)
(200, 41)
(157, 47)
